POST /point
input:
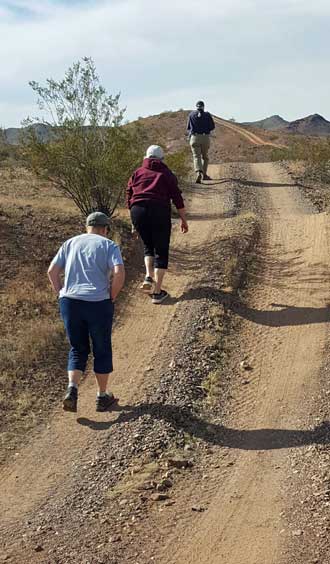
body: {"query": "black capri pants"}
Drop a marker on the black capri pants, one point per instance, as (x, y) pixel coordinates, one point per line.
(153, 223)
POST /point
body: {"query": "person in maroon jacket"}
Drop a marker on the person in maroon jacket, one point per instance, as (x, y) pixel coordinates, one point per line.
(150, 191)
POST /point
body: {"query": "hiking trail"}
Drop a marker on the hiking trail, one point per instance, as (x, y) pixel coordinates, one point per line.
(284, 333)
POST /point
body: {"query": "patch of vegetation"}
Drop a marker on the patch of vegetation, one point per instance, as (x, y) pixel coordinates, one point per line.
(90, 154)
(179, 163)
(315, 153)
(8, 153)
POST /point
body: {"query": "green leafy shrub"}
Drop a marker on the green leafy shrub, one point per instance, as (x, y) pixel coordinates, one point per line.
(90, 154)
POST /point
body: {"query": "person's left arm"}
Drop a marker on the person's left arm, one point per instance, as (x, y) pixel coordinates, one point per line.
(118, 280)
(117, 269)
(212, 124)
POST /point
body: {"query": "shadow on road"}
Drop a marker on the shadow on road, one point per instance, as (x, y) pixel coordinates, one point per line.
(184, 419)
(282, 316)
(217, 181)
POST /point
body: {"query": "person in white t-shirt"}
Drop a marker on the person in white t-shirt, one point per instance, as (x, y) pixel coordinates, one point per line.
(86, 300)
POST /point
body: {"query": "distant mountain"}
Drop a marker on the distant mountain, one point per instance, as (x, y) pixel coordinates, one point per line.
(13, 135)
(310, 125)
(270, 123)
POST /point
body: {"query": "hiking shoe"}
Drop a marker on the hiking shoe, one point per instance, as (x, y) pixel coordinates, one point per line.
(198, 178)
(147, 283)
(71, 399)
(103, 403)
(159, 298)
(206, 177)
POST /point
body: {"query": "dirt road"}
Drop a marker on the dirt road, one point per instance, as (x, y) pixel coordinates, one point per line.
(283, 336)
(285, 332)
(252, 137)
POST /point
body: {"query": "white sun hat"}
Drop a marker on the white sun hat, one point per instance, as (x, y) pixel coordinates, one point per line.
(155, 152)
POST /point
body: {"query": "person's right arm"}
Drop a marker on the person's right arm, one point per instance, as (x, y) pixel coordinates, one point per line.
(56, 268)
(184, 224)
(189, 127)
(54, 275)
(129, 191)
(176, 197)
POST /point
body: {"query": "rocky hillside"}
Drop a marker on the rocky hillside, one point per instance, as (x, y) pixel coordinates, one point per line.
(271, 123)
(310, 125)
(314, 124)
(13, 135)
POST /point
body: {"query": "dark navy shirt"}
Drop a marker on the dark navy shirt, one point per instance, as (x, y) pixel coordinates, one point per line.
(200, 124)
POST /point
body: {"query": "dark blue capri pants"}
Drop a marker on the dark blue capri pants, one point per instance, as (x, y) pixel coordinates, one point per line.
(85, 321)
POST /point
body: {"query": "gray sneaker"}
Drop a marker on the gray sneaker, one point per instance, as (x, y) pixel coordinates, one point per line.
(159, 298)
(104, 403)
(71, 399)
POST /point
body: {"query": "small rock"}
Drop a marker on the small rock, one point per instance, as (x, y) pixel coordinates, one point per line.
(179, 463)
(169, 502)
(164, 485)
(115, 538)
(159, 497)
(297, 533)
(198, 508)
(38, 548)
(245, 365)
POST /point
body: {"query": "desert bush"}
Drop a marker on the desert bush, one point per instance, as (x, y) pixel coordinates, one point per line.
(315, 153)
(89, 154)
(179, 163)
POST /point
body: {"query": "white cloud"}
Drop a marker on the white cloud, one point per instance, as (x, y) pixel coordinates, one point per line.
(167, 55)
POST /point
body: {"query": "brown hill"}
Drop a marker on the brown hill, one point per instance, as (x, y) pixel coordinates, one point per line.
(311, 125)
(272, 123)
(229, 142)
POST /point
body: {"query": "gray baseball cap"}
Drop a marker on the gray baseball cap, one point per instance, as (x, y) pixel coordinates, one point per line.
(97, 219)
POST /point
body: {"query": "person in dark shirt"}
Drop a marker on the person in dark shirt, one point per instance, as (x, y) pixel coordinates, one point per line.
(199, 126)
(150, 191)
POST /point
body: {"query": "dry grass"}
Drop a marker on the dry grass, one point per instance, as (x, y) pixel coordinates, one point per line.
(33, 347)
(135, 480)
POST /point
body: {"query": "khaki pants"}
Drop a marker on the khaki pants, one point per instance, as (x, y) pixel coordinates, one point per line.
(200, 145)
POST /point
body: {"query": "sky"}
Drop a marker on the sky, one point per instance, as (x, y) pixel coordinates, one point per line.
(247, 59)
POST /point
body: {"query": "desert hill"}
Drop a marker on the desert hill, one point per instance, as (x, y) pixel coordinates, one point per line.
(313, 125)
(271, 123)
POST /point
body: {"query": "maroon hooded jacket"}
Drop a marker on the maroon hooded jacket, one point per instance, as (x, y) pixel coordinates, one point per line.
(154, 182)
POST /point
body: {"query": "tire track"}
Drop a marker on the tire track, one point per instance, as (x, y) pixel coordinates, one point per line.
(252, 137)
(284, 335)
